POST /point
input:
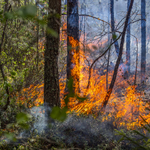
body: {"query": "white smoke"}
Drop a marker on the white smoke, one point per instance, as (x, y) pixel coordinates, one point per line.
(123, 68)
(75, 130)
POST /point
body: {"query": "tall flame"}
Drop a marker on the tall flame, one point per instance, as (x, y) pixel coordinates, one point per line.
(124, 110)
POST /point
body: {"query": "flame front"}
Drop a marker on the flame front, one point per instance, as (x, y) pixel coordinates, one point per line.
(124, 110)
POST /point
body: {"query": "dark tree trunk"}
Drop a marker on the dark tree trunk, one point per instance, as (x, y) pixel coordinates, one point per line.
(143, 40)
(128, 41)
(25, 2)
(72, 31)
(6, 6)
(104, 103)
(37, 46)
(113, 27)
(2, 42)
(51, 78)
(82, 21)
(109, 49)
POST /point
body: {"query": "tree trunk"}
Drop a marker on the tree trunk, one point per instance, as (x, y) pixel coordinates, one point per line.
(2, 42)
(25, 2)
(108, 58)
(51, 78)
(72, 31)
(113, 28)
(128, 41)
(37, 46)
(143, 40)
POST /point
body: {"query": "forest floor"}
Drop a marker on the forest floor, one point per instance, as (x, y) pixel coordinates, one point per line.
(83, 132)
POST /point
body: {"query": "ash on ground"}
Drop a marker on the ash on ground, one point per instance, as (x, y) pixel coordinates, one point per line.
(74, 131)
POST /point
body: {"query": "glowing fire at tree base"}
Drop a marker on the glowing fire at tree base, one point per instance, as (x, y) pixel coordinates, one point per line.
(124, 110)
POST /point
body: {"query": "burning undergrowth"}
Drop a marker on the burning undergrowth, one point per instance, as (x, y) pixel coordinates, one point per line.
(77, 131)
(85, 123)
(125, 104)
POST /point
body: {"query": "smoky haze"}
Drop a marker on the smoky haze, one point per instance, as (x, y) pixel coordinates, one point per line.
(96, 29)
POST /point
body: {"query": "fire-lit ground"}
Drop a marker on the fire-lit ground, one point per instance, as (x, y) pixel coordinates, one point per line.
(125, 105)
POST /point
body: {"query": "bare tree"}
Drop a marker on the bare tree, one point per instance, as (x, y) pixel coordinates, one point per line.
(128, 41)
(143, 40)
(113, 28)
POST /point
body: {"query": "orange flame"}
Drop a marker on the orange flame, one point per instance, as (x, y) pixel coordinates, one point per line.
(124, 110)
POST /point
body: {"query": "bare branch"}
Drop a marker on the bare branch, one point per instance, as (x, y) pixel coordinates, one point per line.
(104, 103)
(90, 69)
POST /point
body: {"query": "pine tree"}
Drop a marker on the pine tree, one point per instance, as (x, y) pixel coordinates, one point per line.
(51, 78)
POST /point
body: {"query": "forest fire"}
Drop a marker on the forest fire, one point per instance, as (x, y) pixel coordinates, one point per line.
(124, 109)
(74, 74)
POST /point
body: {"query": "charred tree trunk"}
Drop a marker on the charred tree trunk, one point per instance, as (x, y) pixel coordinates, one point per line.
(143, 40)
(113, 28)
(72, 32)
(51, 78)
(104, 103)
(128, 41)
(109, 49)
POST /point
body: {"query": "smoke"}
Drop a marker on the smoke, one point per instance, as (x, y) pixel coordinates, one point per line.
(75, 130)
(123, 68)
(39, 121)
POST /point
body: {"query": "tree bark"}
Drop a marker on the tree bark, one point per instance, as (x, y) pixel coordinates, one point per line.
(128, 41)
(143, 40)
(6, 9)
(108, 58)
(113, 28)
(51, 78)
(72, 31)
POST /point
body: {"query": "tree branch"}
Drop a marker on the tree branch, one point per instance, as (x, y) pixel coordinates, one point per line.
(104, 103)
(90, 69)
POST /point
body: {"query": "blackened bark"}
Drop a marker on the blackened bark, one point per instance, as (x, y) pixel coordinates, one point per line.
(128, 41)
(72, 31)
(51, 78)
(109, 49)
(113, 27)
(104, 103)
(143, 40)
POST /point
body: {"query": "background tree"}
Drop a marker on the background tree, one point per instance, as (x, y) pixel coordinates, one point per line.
(108, 59)
(113, 28)
(128, 41)
(6, 9)
(143, 40)
(51, 78)
(72, 31)
(104, 103)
